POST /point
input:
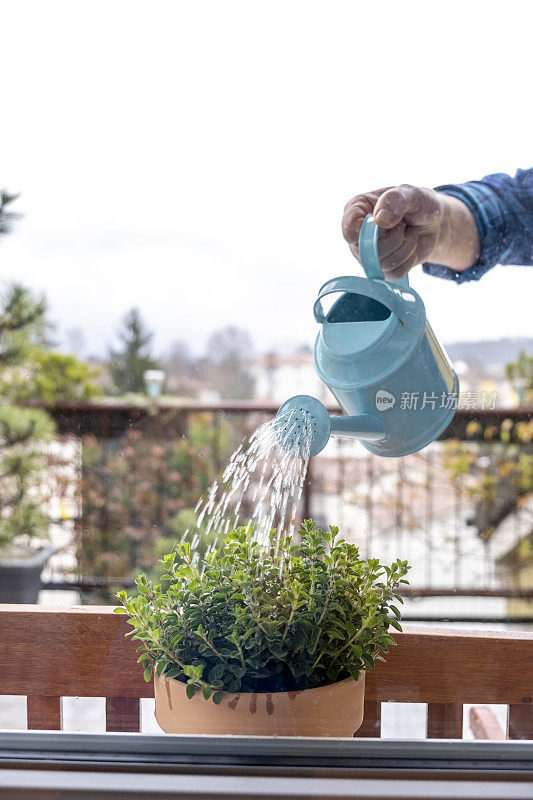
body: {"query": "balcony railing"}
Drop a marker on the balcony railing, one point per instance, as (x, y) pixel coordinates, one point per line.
(50, 653)
(409, 507)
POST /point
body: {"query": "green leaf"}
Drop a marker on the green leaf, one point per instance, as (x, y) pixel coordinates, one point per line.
(119, 610)
(311, 647)
(217, 697)
(206, 691)
(148, 674)
(394, 623)
(215, 673)
(160, 666)
(174, 672)
(191, 690)
(396, 612)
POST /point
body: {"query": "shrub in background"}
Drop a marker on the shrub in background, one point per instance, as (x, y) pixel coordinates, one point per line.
(137, 497)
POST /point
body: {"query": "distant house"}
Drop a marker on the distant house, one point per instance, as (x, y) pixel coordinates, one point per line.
(279, 377)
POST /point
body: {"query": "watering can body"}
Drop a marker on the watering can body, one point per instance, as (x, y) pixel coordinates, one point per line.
(378, 355)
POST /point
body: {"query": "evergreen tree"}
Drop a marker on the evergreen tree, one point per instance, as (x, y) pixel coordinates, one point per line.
(28, 371)
(7, 216)
(520, 374)
(128, 364)
(23, 432)
(24, 325)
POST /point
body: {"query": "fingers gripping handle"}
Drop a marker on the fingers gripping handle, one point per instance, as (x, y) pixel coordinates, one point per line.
(368, 251)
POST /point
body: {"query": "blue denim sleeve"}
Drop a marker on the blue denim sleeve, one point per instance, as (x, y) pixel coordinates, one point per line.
(503, 210)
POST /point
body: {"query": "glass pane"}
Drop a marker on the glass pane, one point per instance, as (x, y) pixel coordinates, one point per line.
(266, 369)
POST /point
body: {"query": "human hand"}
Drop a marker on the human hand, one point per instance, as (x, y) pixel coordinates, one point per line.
(411, 220)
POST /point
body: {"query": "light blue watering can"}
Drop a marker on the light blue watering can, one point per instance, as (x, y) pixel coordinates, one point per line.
(377, 353)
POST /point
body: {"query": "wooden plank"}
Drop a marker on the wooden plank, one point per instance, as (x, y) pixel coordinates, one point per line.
(82, 652)
(445, 666)
(122, 714)
(445, 721)
(44, 713)
(520, 720)
(484, 723)
(371, 727)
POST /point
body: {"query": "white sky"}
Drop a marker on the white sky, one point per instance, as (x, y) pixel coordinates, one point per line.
(194, 158)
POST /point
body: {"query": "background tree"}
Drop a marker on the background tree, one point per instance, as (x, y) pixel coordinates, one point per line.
(229, 352)
(7, 215)
(180, 370)
(50, 378)
(495, 475)
(28, 371)
(128, 364)
(23, 325)
(520, 374)
(23, 432)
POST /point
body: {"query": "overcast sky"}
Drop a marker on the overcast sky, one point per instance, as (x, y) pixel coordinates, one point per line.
(194, 158)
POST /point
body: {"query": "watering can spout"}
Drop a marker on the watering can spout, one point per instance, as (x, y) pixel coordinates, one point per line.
(303, 426)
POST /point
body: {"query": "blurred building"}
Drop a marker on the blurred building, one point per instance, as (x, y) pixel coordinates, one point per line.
(278, 377)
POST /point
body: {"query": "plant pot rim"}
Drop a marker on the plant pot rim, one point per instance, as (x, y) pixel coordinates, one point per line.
(284, 693)
(35, 559)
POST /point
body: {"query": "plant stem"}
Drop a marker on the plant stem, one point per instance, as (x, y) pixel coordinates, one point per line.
(213, 648)
(287, 626)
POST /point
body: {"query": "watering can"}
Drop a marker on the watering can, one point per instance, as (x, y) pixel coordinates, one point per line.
(378, 355)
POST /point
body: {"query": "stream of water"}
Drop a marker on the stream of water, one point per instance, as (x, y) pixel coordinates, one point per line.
(262, 484)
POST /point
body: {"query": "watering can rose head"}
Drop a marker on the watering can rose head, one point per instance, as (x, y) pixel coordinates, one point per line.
(287, 616)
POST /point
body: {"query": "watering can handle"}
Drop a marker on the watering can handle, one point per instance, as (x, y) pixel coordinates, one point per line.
(368, 251)
(383, 291)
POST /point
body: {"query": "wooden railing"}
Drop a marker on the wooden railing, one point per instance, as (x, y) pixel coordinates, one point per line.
(110, 417)
(50, 653)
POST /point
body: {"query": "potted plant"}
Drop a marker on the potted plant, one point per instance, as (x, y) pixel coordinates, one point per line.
(277, 638)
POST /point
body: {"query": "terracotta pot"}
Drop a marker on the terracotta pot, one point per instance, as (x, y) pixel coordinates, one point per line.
(334, 710)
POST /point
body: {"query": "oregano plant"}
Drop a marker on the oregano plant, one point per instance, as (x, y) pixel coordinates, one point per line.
(293, 615)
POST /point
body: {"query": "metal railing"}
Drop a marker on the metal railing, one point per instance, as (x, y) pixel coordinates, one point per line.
(414, 507)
